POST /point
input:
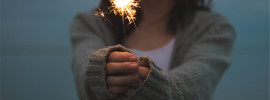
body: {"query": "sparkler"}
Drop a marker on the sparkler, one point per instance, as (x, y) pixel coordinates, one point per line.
(125, 8)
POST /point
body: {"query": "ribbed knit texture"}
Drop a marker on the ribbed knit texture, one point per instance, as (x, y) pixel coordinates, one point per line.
(200, 57)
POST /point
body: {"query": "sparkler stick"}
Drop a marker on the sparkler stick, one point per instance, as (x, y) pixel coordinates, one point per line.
(125, 8)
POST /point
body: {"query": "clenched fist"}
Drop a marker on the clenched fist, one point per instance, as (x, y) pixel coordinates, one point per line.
(124, 75)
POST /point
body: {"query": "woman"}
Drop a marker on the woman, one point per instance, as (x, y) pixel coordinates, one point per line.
(192, 48)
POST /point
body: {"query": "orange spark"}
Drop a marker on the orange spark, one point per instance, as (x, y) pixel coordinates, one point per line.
(100, 13)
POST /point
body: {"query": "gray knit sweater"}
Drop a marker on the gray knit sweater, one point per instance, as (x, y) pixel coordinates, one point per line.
(201, 55)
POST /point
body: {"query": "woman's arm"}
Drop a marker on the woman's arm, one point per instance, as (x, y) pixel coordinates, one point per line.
(204, 63)
(86, 37)
(91, 40)
(202, 67)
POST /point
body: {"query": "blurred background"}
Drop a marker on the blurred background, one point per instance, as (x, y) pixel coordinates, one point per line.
(36, 51)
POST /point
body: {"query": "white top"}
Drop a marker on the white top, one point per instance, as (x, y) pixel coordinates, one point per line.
(161, 56)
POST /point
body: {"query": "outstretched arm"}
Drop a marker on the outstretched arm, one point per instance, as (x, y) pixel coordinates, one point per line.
(202, 67)
(86, 38)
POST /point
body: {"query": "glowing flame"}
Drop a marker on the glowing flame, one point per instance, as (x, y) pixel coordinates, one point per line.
(125, 8)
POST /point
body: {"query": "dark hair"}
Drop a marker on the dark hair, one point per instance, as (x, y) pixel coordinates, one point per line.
(182, 13)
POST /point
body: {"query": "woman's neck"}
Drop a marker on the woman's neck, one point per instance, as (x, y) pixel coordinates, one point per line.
(156, 11)
(152, 32)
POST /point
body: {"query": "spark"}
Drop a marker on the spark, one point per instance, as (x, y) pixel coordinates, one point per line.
(100, 13)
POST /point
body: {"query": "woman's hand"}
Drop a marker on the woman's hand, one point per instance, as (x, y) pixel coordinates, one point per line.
(121, 69)
(123, 73)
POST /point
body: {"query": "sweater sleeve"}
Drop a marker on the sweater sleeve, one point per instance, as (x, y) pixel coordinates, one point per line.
(86, 38)
(203, 65)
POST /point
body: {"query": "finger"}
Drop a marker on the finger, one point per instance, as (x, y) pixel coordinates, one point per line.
(122, 57)
(143, 72)
(129, 92)
(136, 85)
(122, 80)
(115, 67)
(117, 89)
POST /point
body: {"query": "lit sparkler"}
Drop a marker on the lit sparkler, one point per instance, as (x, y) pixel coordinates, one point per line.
(125, 8)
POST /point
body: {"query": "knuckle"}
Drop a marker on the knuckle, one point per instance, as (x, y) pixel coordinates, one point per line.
(132, 67)
(130, 55)
(127, 54)
(133, 58)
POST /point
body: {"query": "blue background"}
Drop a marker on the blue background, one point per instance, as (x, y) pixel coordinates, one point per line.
(36, 51)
